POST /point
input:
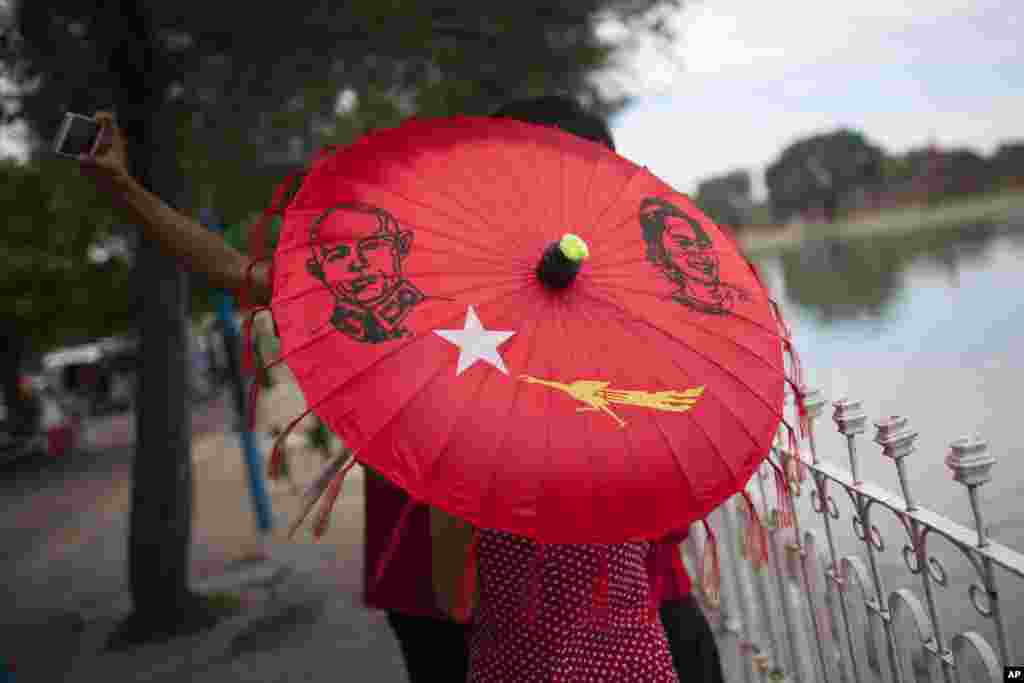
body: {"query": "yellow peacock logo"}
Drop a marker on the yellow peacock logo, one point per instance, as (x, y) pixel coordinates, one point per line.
(598, 397)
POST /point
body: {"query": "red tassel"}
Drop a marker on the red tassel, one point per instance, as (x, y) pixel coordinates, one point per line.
(464, 610)
(324, 152)
(274, 468)
(757, 541)
(249, 342)
(333, 491)
(711, 573)
(599, 605)
(316, 489)
(396, 536)
(800, 470)
(783, 493)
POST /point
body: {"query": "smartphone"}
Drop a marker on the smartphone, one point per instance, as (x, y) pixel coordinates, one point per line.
(77, 135)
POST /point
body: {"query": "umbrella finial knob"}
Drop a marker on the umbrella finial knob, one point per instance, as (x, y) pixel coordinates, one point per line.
(561, 261)
(574, 248)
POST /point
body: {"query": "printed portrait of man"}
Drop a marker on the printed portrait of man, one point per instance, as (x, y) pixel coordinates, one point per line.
(683, 251)
(357, 252)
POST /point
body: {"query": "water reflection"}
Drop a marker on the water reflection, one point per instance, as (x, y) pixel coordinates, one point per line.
(836, 280)
(926, 325)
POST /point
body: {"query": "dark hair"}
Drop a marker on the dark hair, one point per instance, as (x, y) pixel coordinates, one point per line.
(560, 112)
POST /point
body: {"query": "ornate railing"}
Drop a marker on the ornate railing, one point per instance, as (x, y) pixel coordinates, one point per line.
(817, 613)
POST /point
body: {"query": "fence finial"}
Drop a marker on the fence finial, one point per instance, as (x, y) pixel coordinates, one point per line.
(814, 402)
(971, 464)
(897, 442)
(850, 418)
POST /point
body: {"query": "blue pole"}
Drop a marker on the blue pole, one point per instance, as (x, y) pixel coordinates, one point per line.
(253, 459)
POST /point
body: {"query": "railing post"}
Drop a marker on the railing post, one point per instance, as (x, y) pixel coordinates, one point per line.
(850, 419)
(749, 607)
(804, 665)
(731, 605)
(814, 403)
(773, 596)
(971, 464)
(828, 514)
(897, 442)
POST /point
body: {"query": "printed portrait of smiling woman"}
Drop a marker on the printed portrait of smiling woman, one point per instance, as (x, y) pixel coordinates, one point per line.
(682, 249)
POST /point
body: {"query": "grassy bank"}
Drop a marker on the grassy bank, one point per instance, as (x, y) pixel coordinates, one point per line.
(994, 207)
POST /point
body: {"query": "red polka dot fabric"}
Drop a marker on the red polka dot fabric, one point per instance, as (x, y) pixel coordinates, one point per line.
(567, 641)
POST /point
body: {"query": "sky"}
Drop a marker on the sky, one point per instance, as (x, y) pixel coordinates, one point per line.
(747, 78)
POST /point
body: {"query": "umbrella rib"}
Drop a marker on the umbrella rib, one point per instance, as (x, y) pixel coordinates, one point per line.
(602, 246)
(418, 226)
(602, 491)
(416, 394)
(621, 322)
(404, 197)
(491, 487)
(617, 195)
(483, 284)
(526, 234)
(426, 333)
(543, 484)
(436, 463)
(590, 184)
(459, 202)
(772, 331)
(648, 323)
(693, 418)
(638, 173)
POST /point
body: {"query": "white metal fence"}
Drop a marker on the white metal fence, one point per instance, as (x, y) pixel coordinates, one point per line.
(822, 612)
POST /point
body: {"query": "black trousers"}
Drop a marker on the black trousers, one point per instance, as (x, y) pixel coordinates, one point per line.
(436, 650)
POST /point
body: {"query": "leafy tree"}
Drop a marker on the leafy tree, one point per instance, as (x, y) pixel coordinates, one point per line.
(200, 97)
(1008, 162)
(726, 198)
(964, 172)
(820, 170)
(49, 285)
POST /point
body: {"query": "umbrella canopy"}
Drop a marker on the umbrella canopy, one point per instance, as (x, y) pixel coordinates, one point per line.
(527, 331)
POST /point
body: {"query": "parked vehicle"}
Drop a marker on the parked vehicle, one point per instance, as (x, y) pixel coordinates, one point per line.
(45, 427)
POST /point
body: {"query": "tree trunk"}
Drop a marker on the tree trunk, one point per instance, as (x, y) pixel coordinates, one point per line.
(161, 502)
(831, 207)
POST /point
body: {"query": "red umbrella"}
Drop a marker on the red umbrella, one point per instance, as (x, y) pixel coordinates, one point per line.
(527, 331)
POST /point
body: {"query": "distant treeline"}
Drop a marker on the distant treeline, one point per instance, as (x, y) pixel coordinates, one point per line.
(841, 174)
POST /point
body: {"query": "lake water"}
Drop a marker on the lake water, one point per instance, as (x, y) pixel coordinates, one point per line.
(928, 326)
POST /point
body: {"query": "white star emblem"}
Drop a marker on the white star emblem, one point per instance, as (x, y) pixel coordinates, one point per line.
(475, 343)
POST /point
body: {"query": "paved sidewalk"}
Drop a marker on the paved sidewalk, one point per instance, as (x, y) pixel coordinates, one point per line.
(300, 618)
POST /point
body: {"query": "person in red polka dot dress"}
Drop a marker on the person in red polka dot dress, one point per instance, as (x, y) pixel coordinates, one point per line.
(569, 636)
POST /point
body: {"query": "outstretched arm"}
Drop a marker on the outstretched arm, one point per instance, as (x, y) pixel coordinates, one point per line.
(200, 250)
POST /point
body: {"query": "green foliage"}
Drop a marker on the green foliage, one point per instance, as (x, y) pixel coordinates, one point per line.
(856, 277)
(52, 217)
(820, 170)
(246, 97)
(726, 198)
(238, 102)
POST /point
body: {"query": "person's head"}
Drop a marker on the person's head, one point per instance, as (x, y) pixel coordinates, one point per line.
(559, 112)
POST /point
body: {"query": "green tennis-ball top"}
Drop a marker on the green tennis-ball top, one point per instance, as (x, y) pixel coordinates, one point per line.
(573, 248)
